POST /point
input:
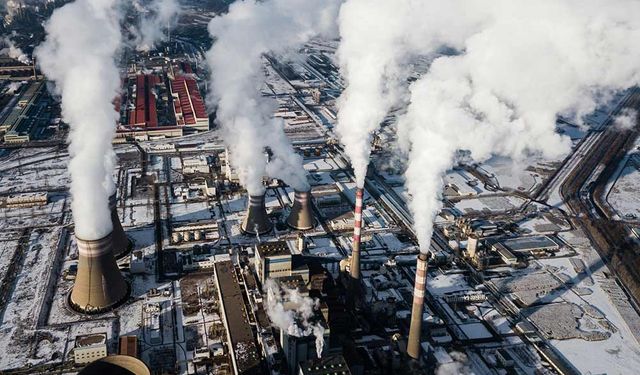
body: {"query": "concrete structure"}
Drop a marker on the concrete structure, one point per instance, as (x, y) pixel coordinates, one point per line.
(136, 262)
(128, 345)
(327, 365)
(415, 330)
(99, 285)
(257, 221)
(274, 260)
(121, 243)
(116, 365)
(357, 227)
(299, 349)
(89, 348)
(301, 216)
(241, 342)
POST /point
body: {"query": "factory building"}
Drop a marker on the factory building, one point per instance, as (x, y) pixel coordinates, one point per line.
(89, 348)
(20, 120)
(242, 347)
(274, 260)
(188, 105)
(327, 365)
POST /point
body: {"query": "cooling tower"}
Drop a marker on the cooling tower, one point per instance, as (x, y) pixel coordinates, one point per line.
(415, 331)
(121, 243)
(301, 216)
(99, 285)
(357, 226)
(257, 221)
(116, 365)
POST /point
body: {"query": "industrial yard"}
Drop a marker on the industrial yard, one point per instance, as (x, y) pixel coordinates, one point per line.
(531, 267)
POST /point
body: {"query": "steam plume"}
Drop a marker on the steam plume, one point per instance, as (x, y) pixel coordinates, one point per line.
(377, 39)
(295, 322)
(78, 54)
(158, 16)
(248, 31)
(524, 64)
(13, 51)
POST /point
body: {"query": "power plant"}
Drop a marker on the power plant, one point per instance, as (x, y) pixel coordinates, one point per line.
(121, 243)
(301, 216)
(99, 285)
(357, 227)
(415, 330)
(257, 221)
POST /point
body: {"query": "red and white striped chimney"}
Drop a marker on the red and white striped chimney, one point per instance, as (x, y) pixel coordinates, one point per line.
(415, 330)
(357, 228)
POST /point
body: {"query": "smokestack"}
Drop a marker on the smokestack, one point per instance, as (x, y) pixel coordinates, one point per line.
(121, 243)
(357, 226)
(99, 284)
(257, 222)
(415, 331)
(301, 216)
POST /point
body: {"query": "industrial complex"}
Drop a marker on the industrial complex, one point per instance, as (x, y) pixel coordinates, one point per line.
(529, 270)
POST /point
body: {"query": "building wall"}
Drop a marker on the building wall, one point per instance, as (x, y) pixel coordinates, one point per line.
(89, 354)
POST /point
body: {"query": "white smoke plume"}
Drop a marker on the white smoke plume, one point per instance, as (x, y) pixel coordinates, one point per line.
(242, 36)
(377, 37)
(78, 54)
(295, 317)
(13, 51)
(519, 64)
(459, 366)
(158, 16)
(524, 65)
(13, 87)
(627, 119)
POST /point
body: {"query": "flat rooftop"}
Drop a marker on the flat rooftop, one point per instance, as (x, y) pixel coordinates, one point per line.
(91, 339)
(272, 249)
(240, 333)
(530, 243)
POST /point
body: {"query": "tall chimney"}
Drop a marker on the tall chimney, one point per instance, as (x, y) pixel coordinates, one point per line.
(99, 285)
(357, 227)
(257, 221)
(301, 216)
(121, 243)
(415, 331)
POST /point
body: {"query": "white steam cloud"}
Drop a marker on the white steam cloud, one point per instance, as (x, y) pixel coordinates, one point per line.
(11, 50)
(78, 54)
(157, 17)
(519, 64)
(250, 30)
(295, 318)
(459, 366)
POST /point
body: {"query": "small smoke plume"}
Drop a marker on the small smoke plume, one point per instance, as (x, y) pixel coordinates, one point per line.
(13, 87)
(14, 52)
(242, 37)
(294, 319)
(459, 366)
(157, 17)
(78, 54)
(627, 119)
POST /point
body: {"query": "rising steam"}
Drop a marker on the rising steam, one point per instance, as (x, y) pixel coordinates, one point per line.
(242, 36)
(78, 54)
(522, 66)
(11, 50)
(296, 320)
(157, 17)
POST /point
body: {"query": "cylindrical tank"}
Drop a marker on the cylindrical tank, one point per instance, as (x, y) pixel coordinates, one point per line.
(99, 285)
(197, 235)
(176, 237)
(186, 236)
(116, 365)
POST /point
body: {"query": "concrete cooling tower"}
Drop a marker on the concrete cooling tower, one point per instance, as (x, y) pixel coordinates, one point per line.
(116, 365)
(301, 216)
(415, 331)
(121, 243)
(99, 285)
(257, 221)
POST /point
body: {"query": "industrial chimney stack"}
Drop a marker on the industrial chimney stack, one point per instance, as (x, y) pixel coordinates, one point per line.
(301, 216)
(99, 285)
(415, 331)
(121, 243)
(257, 221)
(357, 227)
